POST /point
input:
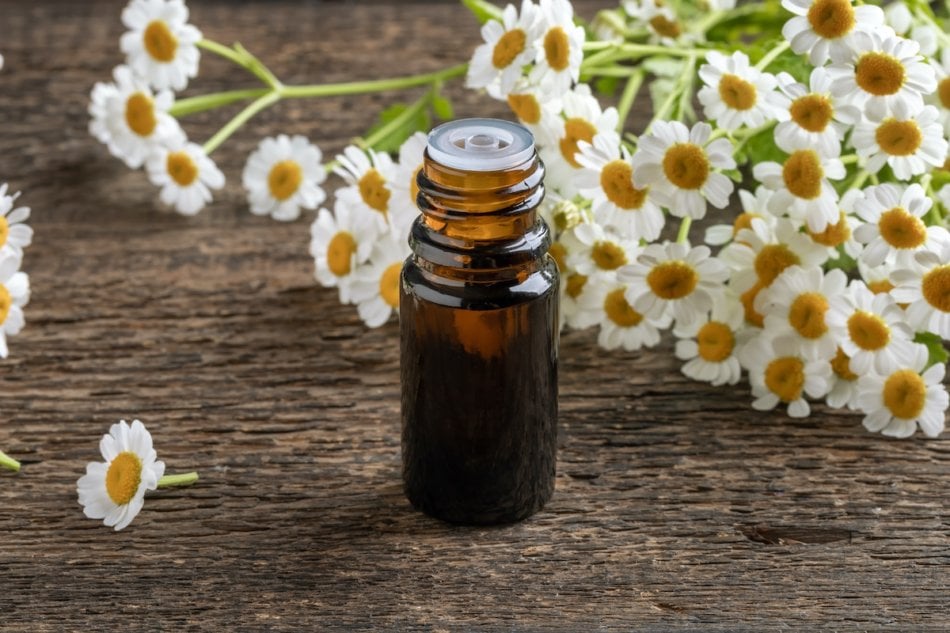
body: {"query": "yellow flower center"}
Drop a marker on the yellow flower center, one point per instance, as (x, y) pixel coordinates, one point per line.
(508, 47)
(879, 74)
(181, 168)
(900, 229)
(665, 27)
(905, 394)
(899, 138)
(686, 165)
(340, 251)
(414, 185)
(802, 174)
(715, 341)
(6, 301)
(373, 190)
(616, 179)
(807, 315)
(559, 254)
(123, 477)
(159, 41)
(575, 285)
(834, 235)
(389, 284)
(831, 19)
(525, 107)
(4, 230)
(943, 89)
(785, 377)
(619, 311)
(284, 179)
(557, 48)
(736, 92)
(140, 114)
(575, 130)
(743, 221)
(935, 287)
(748, 302)
(674, 279)
(772, 260)
(879, 286)
(608, 256)
(841, 365)
(812, 112)
(868, 331)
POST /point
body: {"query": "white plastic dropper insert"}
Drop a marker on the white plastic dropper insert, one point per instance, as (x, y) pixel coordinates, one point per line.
(480, 144)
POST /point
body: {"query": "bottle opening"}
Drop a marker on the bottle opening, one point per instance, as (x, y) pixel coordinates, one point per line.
(480, 144)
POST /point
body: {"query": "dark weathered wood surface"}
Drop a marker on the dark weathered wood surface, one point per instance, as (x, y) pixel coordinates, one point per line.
(677, 506)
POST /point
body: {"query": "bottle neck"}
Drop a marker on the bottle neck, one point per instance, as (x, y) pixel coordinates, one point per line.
(480, 225)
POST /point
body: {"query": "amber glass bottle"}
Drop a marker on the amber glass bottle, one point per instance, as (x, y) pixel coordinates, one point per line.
(479, 319)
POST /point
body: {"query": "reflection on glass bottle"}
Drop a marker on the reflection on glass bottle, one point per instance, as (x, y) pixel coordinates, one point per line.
(478, 314)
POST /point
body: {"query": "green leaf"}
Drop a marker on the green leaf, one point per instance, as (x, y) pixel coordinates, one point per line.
(936, 350)
(941, 177)
(420, 122)
(442, 108)
(607, 86)
(761, 148)
(483, 10)
(663, 66)
(843, 262)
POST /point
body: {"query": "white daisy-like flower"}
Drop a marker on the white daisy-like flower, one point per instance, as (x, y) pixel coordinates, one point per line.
(674, 278)
(944, 196)
(282, 175)
(925, 286)
(893, 226)
(877, 278)
(661, 21)
(843, 382)
(114, 490)
(900, 401)
(573, 288)
(882, 70)
(375, 286)
(899, 18)
(536, 110)
(14, 294)
(404, 187)
(912, 143)
(754, 206)
(815, 118)
(509, 47)
(370, 176)
(677, 163)
(160, 44)
(802, 188)
(827, 28)
(779, 373)
(709, 345)
(621, 326)
(129, 119)
(560, 48)
(581, 119)
(186, 175)
(15, 234)
(339, 242)
(941, 97)
(840, 235)
(796, 306)
(871, 329)
(594, 251)
(607, 181)
(736, 94)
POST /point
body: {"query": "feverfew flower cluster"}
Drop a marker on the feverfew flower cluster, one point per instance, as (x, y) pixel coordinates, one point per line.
(843, 158)
(15, 235)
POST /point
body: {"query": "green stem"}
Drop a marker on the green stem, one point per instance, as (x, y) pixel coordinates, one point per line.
(628, 97)
(240, 119)
(772, 55)
(712, 19)
(184, 479)
(9, 463)
(858, 181)
(745, 139)
(642, 50)
(848, 159)
(377, 85)
(240, 56)
(684, 230)
(397, 123)
(191, 105)
(682, 82)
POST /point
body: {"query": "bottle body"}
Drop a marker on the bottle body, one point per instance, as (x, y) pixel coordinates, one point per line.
(479, 334)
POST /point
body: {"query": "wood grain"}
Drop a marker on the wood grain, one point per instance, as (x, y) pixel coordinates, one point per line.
(677, 506)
